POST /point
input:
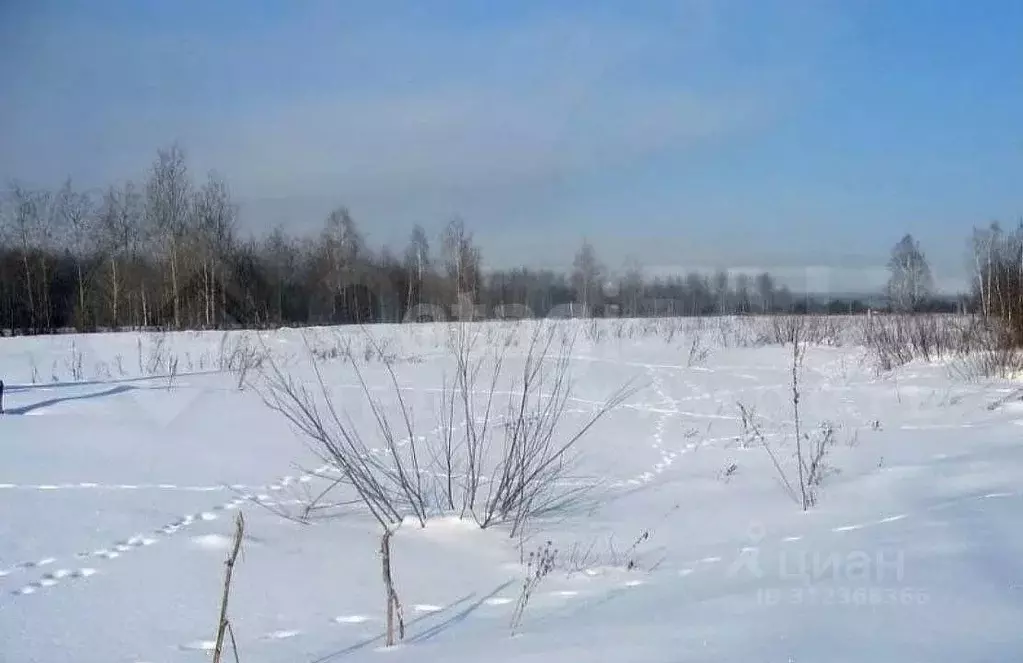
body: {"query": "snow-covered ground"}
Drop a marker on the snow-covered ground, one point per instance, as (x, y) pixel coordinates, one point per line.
(125, 457)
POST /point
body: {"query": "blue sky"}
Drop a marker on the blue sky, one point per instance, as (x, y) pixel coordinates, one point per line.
(803, 137)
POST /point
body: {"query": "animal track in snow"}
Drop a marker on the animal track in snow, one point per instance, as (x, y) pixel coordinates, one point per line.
(668, 457)
(217, 542)
(427, 607)
(51, 579)
(704, 563)
(87, 485)
(351, 619)
(122, 546)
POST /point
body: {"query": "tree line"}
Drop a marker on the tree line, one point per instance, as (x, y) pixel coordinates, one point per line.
(168, 253)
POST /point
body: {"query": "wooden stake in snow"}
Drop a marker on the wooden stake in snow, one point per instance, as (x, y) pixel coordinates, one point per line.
(224, 626)
(393, 604)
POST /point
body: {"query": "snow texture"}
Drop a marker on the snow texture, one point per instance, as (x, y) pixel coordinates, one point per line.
(119, 488)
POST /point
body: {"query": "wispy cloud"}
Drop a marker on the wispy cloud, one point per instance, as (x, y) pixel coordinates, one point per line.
(455, 119)
(479, 138)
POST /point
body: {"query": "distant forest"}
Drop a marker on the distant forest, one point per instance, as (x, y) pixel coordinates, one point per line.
(167, 253)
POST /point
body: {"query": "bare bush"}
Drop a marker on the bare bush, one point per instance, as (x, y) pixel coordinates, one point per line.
(102, 370)
(586, 558)
(73, 362)
(978, 346)
(698, 352)
(807, 329)
(997, 362)
(387, 491)
(816, 467)
(525, 478)
(153, 356)
(810, 457)
(239, 357)
(897, 339)
(497, 469)
(341, 346)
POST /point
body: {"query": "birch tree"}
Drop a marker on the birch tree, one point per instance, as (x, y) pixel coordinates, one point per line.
(77, 220)
(462, 263)
(168, 202)
(417, 264)
(586, 276)
(26, 212)
(214, 216)
(910, 281)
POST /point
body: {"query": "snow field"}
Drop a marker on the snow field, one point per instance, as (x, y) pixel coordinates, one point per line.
(118, 495)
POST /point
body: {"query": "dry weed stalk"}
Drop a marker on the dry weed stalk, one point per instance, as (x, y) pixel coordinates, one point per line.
(541, 563)
(810, 462)
(752, 429)
(798, 352)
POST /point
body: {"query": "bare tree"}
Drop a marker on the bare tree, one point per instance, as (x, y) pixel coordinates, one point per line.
(76, 217)
(765, 292)
(630, 287)
(342, 246)
(743, 288)
(120, 234)
(214, 215)
(462, 263)
(586, 276)
(417, 263)
(698, 290)
(980, 256)
(910, 281)
(998, 279)
(282, 262)
(168, 204)
(27, 225)
(720, 291)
